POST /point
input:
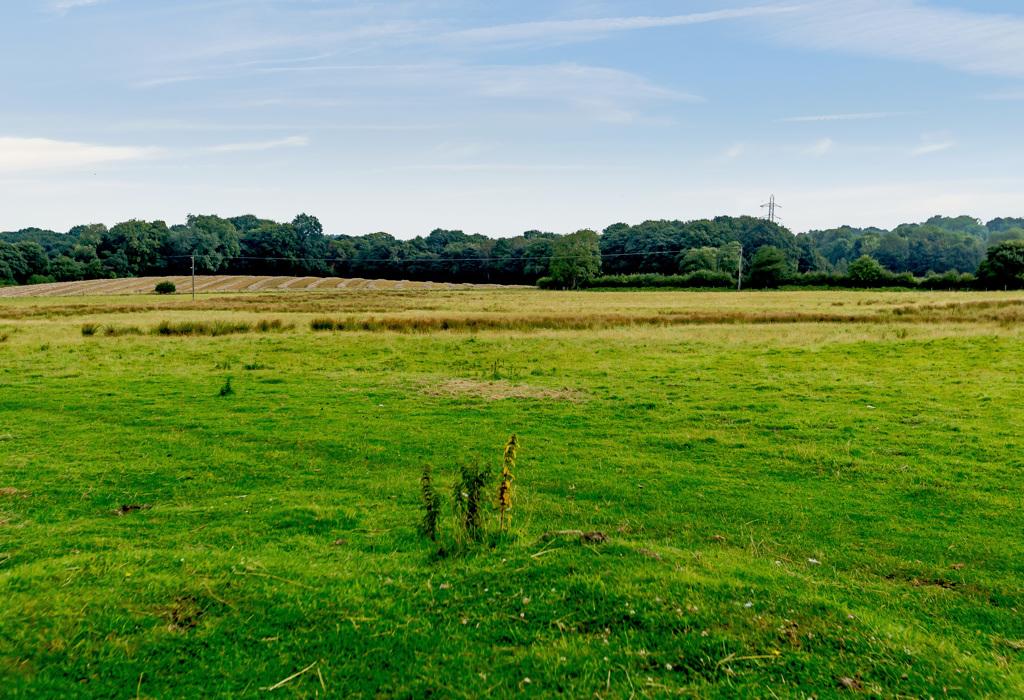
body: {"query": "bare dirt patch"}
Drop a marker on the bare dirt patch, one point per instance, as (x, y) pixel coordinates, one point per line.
(501, 390)
(131, 508)
(183, 614)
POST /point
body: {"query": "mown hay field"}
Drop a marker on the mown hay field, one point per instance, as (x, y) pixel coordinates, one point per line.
(211, 284)
(798, 493)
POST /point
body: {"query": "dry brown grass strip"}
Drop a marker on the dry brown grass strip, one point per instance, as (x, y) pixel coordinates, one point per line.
(501, 390)
(1000, 312)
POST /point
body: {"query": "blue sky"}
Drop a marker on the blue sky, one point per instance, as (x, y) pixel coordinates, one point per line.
(500, 117)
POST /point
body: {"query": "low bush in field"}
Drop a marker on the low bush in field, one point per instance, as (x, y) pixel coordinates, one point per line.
(214, 328)
(116, 332)
(192, 328)
(269, 325)
(165, 288)
(218, 328)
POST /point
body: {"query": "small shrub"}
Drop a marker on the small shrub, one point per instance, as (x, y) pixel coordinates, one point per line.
(270, 325)
(165, 287)
(4, 337)
(116, 332)
(227, 389)
(431, 505)
(468, 502)
(322, 324)
(218, 328)
(90, 329)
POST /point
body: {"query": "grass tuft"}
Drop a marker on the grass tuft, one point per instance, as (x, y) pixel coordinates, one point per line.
(468, 502)
(431, 503)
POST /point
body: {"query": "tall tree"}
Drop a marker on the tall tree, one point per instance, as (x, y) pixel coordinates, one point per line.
(769, 267)
(1003, 267)
(575, 259)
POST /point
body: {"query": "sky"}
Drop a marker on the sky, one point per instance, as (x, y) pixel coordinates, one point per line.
(500, 117)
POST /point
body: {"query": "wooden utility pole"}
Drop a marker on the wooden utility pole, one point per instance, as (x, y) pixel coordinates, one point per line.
(193, 258)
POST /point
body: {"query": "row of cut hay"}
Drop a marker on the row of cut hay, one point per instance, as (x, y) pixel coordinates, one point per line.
(190, 328)
(522, 322)
(222, 283)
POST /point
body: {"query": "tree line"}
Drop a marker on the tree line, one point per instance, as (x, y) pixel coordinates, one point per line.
(943, 252)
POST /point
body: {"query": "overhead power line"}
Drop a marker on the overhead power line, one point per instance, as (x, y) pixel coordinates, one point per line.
(435, 260)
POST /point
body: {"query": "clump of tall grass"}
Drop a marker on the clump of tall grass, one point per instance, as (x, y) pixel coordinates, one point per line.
(90, 329)
(468, 502)
(116, 331)
(169, 328)
(273, 324)
(593, 321)
(323, 324)
(431, 505)
(227, 389)
(219, 328)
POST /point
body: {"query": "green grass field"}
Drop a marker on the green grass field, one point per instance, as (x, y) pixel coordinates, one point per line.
(792, 508)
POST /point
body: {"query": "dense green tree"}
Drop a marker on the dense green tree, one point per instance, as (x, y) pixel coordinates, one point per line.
(212, 240)
(35, 258)
(769, 268)
(1015, 233)
(1004, 224)
(892, 251)
(139, 243)
(865, 271)
(1003, 266)
(576, 259)
(696, 259)
(960, 224)
(729, 259)
(12, 265)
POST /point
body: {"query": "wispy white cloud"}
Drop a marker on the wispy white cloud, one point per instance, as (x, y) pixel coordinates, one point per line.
(559, 31)
(65, 6)
(929, 148)
(603, 94)
(28, 154)
(856, 116)
(289, 142)
(488, 167)
(964, 40)
(570, 81)
(735, 151)
(821, 148)
(1005, 96)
